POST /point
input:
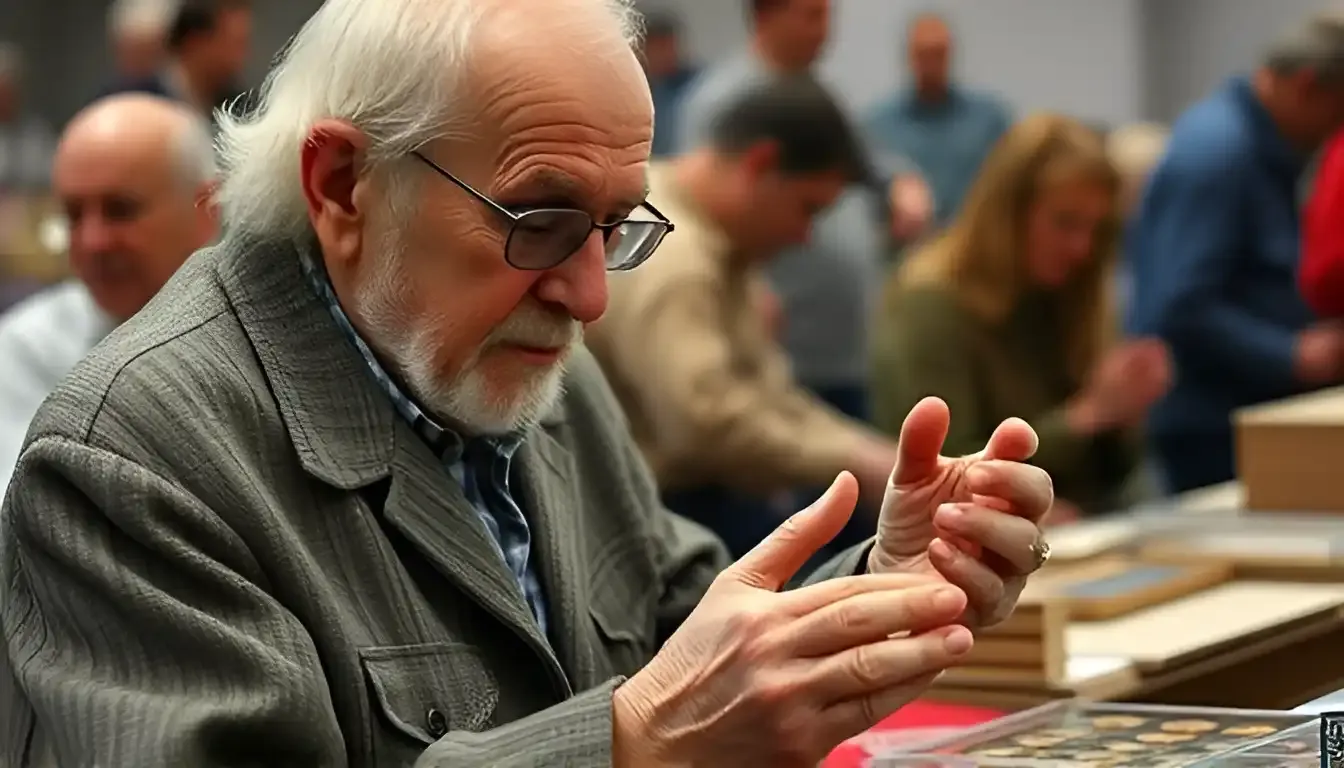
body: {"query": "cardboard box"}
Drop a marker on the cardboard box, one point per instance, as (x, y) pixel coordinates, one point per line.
(1288, 453)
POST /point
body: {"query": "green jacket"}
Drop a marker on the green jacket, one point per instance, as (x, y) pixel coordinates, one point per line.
(927, 343)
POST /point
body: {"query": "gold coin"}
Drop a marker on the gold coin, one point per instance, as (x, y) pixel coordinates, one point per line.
(1038, 741)
(1125, 746)
(1251, 730)
(1066, 733)
(999, 752)
(1117, 722)
(1164, 738)
(1189, 726)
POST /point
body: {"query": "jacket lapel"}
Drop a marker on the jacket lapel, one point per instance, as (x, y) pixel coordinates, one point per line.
(346, 432)
(428, 507)
(547, 471)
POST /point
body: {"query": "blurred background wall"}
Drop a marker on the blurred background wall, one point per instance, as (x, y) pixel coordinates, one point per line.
(1104, 60)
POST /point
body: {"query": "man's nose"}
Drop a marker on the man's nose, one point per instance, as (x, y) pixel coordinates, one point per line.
(90, 235)
(580, 283)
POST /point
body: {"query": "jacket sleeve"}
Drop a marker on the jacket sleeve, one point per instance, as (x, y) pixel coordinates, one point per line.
(1321, 278)
(1189, 232)
(138, 630)
(922, 349)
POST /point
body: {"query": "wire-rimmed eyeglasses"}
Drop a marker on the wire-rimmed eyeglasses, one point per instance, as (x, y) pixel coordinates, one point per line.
(542, 238)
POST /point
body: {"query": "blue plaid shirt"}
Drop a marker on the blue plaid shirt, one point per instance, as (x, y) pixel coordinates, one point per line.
(480, 465)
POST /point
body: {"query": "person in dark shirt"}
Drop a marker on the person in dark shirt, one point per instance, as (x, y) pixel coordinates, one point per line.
(208, 44)
(669, 74)
(1214, 252)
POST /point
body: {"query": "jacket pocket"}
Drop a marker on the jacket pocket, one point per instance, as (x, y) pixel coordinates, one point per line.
(622, 600)
(422, 692)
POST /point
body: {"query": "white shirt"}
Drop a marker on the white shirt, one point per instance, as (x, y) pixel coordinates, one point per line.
(41, 339)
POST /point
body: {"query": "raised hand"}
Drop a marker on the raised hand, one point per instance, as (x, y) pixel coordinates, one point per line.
(758, 677)
(972, 521)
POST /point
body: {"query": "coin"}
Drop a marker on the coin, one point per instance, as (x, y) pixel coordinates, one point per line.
(1125, 746)
(999, 752)
(1250, 729)
(1039, 741)
(1066, 733)
(1117, 722)
(1189, 726)
(1164, 738)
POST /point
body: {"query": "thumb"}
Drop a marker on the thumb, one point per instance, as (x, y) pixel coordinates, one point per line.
(770, 564)
(921, 442)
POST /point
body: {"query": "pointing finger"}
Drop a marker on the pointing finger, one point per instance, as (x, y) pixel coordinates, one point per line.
(774, 561)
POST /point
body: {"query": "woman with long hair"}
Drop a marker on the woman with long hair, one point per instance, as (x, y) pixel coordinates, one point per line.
(1009, 312)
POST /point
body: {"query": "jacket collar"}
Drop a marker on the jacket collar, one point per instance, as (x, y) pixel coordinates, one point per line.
(341, 416)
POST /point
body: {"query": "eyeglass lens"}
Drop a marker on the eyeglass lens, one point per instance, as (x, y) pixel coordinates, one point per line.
(542, 239)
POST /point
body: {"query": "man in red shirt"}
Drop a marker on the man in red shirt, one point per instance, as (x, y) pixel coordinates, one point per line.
(1321, 277)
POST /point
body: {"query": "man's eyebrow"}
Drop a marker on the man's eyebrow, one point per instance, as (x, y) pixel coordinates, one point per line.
(551, 187)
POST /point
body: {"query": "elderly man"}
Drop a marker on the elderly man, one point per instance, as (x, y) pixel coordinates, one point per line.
(350, 492)
(708, 390)
(946, 129)
(134, 174)
(1214, 247)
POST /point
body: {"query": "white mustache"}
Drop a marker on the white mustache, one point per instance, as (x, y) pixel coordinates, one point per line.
(532, 327)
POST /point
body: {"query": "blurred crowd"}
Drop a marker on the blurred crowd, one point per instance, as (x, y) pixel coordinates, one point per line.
(1124, 290)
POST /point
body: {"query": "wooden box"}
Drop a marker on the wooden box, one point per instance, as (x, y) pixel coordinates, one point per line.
(1287, 453)
(1025, 650)
(1111, 587)
(1257, 547)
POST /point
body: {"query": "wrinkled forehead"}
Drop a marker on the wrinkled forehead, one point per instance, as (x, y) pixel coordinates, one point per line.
(571, 121)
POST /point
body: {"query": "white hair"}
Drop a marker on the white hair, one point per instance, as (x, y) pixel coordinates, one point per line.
(130, 17)
(394, 69)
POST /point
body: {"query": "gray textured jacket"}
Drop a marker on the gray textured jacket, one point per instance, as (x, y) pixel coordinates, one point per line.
(222, 547)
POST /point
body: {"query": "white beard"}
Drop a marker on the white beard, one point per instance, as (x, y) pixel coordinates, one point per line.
(411, 346)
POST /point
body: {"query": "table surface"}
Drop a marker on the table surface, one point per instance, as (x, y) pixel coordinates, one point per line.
(1333, 702)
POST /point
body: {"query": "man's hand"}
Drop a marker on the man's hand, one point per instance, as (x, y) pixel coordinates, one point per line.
(973, 521)
(911, 204)
(1319, 354)
(756, 677)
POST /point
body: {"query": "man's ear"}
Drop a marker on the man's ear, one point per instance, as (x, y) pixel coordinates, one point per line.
(207, 211)
(761, 158)
(331, 165)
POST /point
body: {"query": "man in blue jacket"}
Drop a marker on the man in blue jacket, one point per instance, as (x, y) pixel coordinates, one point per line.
(1214, 251)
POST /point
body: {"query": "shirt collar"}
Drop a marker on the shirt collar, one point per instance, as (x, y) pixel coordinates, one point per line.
(912, 102)
(443, 440)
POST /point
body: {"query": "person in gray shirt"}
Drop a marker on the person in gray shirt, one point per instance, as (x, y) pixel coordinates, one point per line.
(825, 287)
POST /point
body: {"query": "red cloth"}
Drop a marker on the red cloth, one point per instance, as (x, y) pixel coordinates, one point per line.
(1321, 277)
(920, 714)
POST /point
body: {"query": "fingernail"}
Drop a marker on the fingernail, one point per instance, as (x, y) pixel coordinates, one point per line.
(958, 640)
(946, 599)
(941, 549)
(950, 513)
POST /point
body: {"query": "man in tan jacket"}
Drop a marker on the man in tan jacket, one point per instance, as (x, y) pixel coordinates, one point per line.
(708, 391)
